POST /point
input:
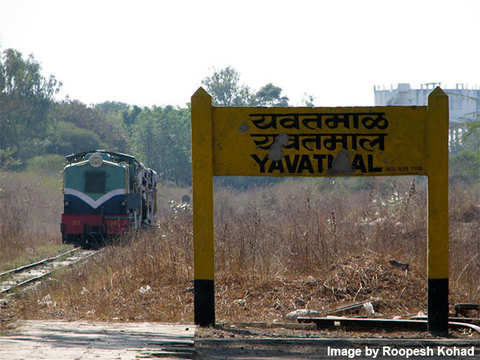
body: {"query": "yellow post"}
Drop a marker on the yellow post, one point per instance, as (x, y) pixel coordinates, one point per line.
(202, 163)
(436, 163)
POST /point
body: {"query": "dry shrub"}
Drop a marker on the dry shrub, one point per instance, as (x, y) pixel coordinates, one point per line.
(352, 279)
(304, 230)
(30, 216)
(277, 239)
(147, 276)
(464, 245)
(315, 244)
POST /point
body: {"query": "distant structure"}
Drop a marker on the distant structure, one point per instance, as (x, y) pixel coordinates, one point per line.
(464, 103)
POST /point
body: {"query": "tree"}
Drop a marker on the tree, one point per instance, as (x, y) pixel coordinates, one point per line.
(129, 115)
(308, 100)
(270, 95)
(110, 133)
(68, 139)
(225, 89)
(25, 99)
(161, 138)
(470, 133)
(112, 107)
(464, 167)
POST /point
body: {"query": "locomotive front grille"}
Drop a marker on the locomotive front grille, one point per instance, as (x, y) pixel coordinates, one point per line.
(92, 229)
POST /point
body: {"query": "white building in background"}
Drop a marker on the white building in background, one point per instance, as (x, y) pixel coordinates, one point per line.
(464, 103)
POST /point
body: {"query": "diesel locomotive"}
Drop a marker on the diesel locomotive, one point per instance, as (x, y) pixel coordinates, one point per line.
(106, 194)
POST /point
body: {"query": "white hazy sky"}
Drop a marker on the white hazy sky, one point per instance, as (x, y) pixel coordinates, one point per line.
(157, 52)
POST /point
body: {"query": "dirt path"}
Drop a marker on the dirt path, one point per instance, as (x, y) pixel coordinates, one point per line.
(81, 340)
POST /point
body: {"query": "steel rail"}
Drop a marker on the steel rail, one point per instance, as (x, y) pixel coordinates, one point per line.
(39, 277)
(41, 262)
(474, 321)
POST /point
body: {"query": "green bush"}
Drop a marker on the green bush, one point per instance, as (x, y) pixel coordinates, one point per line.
(69, 138)
(46, 164)
(465, 167)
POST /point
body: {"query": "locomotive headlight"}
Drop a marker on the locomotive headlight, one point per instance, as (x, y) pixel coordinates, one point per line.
(96, 160)
(124, 203)
(67, 203)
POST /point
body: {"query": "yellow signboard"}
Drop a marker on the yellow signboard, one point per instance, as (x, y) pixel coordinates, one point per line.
(319, 141)
(300, 141)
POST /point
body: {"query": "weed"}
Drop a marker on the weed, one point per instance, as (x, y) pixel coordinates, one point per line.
(295, 244)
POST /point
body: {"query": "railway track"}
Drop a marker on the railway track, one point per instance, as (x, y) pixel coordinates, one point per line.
(31, 273)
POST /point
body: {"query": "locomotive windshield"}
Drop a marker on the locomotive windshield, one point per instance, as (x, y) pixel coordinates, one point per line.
(95, 182)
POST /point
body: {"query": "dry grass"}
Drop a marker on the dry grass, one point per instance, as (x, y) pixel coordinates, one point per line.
(465, 245)
(145, 279)
(30, 209)
(308, 231)
(314, 244)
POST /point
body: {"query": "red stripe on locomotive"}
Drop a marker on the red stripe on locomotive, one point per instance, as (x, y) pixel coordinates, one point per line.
(75, 224)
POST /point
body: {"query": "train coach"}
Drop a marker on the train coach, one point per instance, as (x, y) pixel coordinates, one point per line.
(106, 194)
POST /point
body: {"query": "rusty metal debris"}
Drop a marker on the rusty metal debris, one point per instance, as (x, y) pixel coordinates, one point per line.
(352, 308)
(403, 266)
(383, 324)
(465, 309)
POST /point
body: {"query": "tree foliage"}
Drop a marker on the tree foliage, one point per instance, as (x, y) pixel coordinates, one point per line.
(69, 138)
(86, 120)
(270, 95)
(112, 107)
(465, 167)
(25, 99)
(470, 139)
(161, 138)
(308, 100)
(33, 123)
(226, 90)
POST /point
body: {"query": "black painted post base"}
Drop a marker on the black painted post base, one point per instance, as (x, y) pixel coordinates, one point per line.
(204, 302)
(438, 307)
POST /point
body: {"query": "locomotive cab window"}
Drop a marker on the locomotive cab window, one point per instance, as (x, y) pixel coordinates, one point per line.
(94, 182)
